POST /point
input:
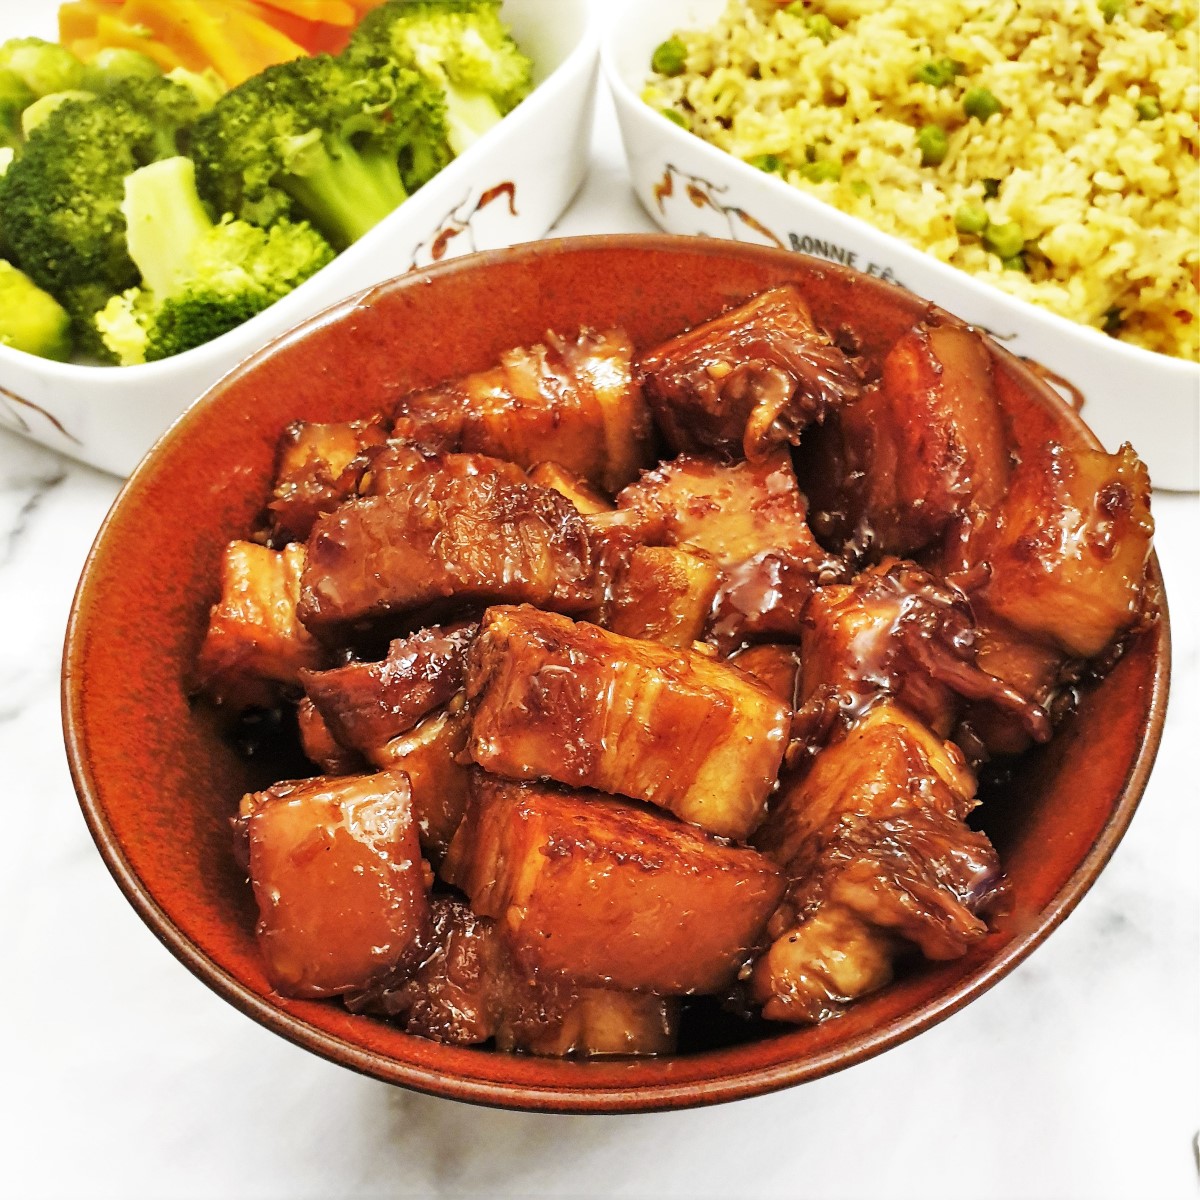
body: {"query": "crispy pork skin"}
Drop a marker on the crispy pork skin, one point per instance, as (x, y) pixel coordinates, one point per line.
(747, 380)
(254, 640)
(558, 699)
(339, 881)
(446, 537)
(607, 892)
(575, 403)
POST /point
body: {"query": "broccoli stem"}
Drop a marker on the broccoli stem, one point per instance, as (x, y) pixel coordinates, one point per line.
(469, 115)
(345, 192)
(165, 219)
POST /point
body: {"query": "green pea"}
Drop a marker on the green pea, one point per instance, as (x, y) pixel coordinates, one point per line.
(971, 217)
(978, 102)
(933, 145)
(1004, 240)
(938, 72)
(1148, 109)
(798, 8)
(669, 57)
(820, 172)
(1111, 9)
(770, 163)
(1176, 21)
(821, 27)
(1015, 262)
(860, 187)
(673, 114)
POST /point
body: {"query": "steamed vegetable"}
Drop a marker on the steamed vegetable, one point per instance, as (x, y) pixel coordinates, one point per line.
(200, 278)
(324, 141)
(460, 46)
(30, 318)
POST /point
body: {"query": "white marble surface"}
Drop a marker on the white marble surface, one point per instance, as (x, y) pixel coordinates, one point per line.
(122, 1076)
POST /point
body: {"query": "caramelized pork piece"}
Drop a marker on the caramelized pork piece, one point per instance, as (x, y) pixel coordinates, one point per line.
(561, 1019)
(339, 881)
(319, 466)
(433, 756)
(446, 538)
(557, 699)
(366, 704)
(898, 631)
(1062, 559)
(607, 892)
(254, 641)
(919, 447)
(747, 380)
(776, 667)
(587, 500)
(575, 403)
(320, 746)
(750, 517)
(470, 990)
(663, 594)
(875, 828)
(818, 961)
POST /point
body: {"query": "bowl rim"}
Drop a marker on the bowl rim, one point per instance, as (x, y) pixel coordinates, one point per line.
(612, 43)
(728, 1081)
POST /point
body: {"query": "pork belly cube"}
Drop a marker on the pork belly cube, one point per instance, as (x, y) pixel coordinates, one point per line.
(818, 962)
(455, 995)
(573, 402)
(750, 517)
(433, 756)
(446, 538)
(320, 746)
(663, 594)
(747, 380)
(1067, 549)
(924, 444)
(366, 704)
(254, 640)
(877, 825)
(339, 881)
(899, 631)
(470, 989)
(587, 499)
(557, 699)
(607, 892)
(776, 667)
(564, 1020)
(319, 466)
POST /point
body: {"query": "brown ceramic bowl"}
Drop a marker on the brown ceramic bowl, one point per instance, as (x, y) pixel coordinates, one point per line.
(158, 782)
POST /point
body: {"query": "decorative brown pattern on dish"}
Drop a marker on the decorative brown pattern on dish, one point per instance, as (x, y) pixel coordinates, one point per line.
(458, 222)
(11, 402)
(703, 193)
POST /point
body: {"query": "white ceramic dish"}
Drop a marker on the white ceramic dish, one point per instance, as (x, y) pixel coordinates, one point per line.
(509, 187)
(689, 186)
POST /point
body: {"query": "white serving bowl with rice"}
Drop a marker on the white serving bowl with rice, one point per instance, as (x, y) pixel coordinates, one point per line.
(1030, 167)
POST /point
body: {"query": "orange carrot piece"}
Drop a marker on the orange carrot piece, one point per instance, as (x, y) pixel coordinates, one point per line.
(330, 12)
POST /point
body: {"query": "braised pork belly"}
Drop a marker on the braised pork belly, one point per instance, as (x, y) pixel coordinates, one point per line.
(601, 739)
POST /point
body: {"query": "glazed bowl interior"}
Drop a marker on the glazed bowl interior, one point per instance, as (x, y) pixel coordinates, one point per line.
(158, 779)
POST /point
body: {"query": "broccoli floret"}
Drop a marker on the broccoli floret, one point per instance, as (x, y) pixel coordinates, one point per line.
(44, 67)
(462, 47)
(30, 318)
(15, 97)
(323, 140)
(60, 200)
(200, 278)
(112, 64)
